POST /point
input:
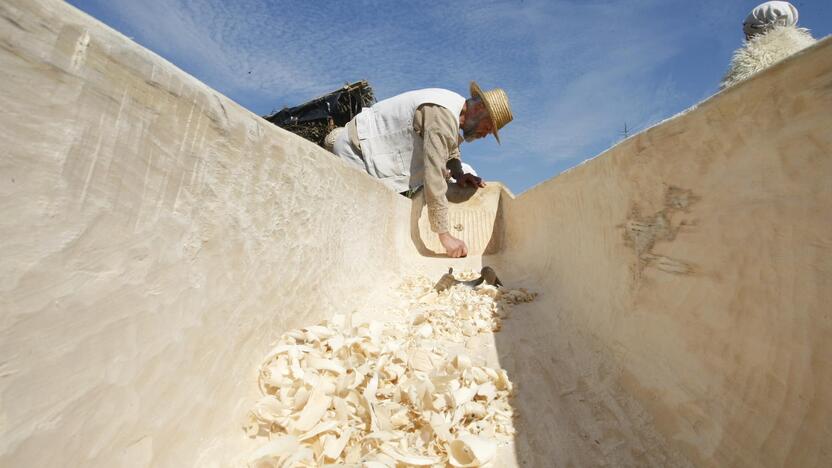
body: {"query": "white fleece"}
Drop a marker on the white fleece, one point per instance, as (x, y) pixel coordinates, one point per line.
(764, 50)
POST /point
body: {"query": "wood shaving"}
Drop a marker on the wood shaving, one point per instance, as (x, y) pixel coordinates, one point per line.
(383, 394)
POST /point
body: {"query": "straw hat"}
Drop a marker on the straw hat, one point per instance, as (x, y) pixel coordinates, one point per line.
(496, 102)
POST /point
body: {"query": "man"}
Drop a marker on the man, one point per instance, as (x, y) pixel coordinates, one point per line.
(771, 34)
(413, 139)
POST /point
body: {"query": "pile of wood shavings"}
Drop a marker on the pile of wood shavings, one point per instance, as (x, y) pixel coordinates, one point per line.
(387, 394)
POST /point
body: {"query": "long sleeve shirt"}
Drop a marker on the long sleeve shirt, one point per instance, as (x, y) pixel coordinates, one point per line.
(440, 136)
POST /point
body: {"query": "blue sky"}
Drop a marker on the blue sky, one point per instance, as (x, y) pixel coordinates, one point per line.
(575, 71)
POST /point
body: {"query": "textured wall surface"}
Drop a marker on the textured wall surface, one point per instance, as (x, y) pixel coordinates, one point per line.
(156, 237)
(698, 254)
(473, 217)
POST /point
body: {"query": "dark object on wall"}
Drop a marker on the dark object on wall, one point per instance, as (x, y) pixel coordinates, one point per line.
(314, 119)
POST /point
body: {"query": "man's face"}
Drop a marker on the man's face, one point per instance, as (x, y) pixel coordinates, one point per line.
(477, 122)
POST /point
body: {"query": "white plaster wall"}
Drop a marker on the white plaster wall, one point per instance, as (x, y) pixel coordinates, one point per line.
(695, 261)
(156, 237)
(472, 218)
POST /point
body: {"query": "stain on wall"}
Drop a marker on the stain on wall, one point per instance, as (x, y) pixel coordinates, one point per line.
(642, 232)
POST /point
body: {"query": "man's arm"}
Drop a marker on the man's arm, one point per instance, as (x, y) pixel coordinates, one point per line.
(462, 179)
(440, 139)
(455, 166)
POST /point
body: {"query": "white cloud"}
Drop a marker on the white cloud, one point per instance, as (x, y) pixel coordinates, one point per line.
(595, 71)
(575, 71)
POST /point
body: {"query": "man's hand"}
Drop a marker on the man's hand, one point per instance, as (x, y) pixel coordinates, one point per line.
(470, 179)
(453, 246)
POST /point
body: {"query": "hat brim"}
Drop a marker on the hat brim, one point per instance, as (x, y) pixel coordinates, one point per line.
(476, 92)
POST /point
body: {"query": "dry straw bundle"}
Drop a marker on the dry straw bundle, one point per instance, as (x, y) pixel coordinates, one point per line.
(314, 119)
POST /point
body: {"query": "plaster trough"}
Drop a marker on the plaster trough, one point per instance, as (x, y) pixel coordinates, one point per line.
(157, 237)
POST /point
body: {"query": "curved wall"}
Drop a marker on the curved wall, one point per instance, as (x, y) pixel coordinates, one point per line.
(157, 237)
(697, 256)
